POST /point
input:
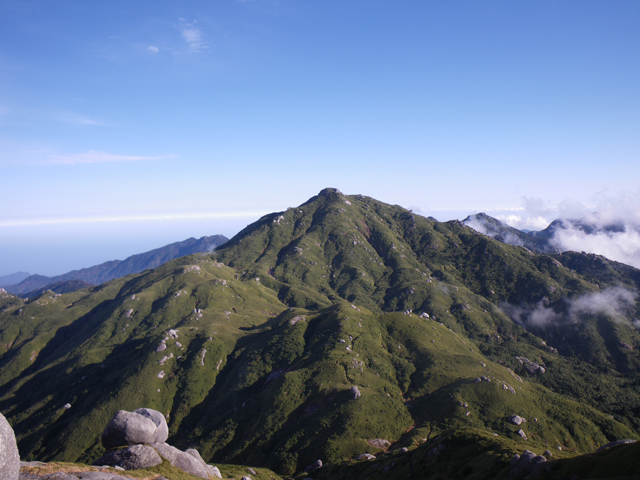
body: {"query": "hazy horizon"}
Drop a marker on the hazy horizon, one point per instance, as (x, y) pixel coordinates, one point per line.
(126, 126)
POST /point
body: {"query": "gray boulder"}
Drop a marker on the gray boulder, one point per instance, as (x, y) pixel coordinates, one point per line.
(131, 458)
(194, 453)
(129, 428)
(158, 419)
(9, 457)
(515, 419)
(214, 471)
(99, 476)
(526, 464)
(355, 392)
(182, 460)
(365, 456)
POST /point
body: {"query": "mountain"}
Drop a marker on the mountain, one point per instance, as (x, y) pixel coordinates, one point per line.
(340, 327)
(117, 268)
(66, 286)
(494, 228)
(618, 240)
(12, 279)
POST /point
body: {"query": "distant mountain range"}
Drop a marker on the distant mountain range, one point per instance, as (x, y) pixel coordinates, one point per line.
(35, 284)
(13, 278)
(385, 344)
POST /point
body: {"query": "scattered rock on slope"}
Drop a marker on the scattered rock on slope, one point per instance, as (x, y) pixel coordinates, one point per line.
(355, 392)
(515, 419)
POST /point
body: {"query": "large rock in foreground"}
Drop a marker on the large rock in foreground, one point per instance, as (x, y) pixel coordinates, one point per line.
(9, 457)
(143, 433)
(131, 458)
(183, 460)
(129, 428)
(157, 418)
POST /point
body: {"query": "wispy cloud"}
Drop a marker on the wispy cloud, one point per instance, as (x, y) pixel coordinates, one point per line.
(192, 35)
(93, 156)
(76, 119)
(153, 49)
(21, 222)
(616, 303)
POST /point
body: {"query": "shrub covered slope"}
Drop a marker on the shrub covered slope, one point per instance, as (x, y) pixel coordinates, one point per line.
(339, 327)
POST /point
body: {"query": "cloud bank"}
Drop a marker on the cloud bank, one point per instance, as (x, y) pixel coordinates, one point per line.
(610, 228)
(616, 303)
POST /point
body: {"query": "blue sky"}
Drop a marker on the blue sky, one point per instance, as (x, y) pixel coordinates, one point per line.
(128, 125)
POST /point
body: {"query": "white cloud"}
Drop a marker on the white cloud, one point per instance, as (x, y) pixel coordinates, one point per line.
(21, 222)
(621, 246)
(610, 228)
(76, 119)
(153, 49)
(616, 303)
(192, 35)
(93, 156)
(526, 222)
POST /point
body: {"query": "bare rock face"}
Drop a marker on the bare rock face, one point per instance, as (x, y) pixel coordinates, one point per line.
(159, 420)
(182, 460)
(9, 457)
(131, 458)
(129, 428)
(214, 471)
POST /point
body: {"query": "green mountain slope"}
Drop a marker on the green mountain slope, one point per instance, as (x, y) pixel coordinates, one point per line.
(256, 353)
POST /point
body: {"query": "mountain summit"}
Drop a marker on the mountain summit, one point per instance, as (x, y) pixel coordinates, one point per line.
(340, 327)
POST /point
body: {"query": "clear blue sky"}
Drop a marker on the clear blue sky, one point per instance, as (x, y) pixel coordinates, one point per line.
(128, 125)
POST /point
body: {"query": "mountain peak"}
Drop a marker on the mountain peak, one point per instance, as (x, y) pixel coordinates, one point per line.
(329, 192)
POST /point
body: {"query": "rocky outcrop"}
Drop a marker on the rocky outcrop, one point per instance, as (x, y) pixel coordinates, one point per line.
(9, 457)
(380, 443)
(158, 419)
(182, 460)
(66, 473)
(355, 392)
(129, 428)
(131, 458)
(528, 464)
(515, 419)
(142, 433)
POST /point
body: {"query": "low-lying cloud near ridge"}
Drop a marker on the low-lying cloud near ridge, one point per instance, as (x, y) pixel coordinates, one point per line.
(488, 230)
(616, 303)
(619, 241)
(612, 231)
